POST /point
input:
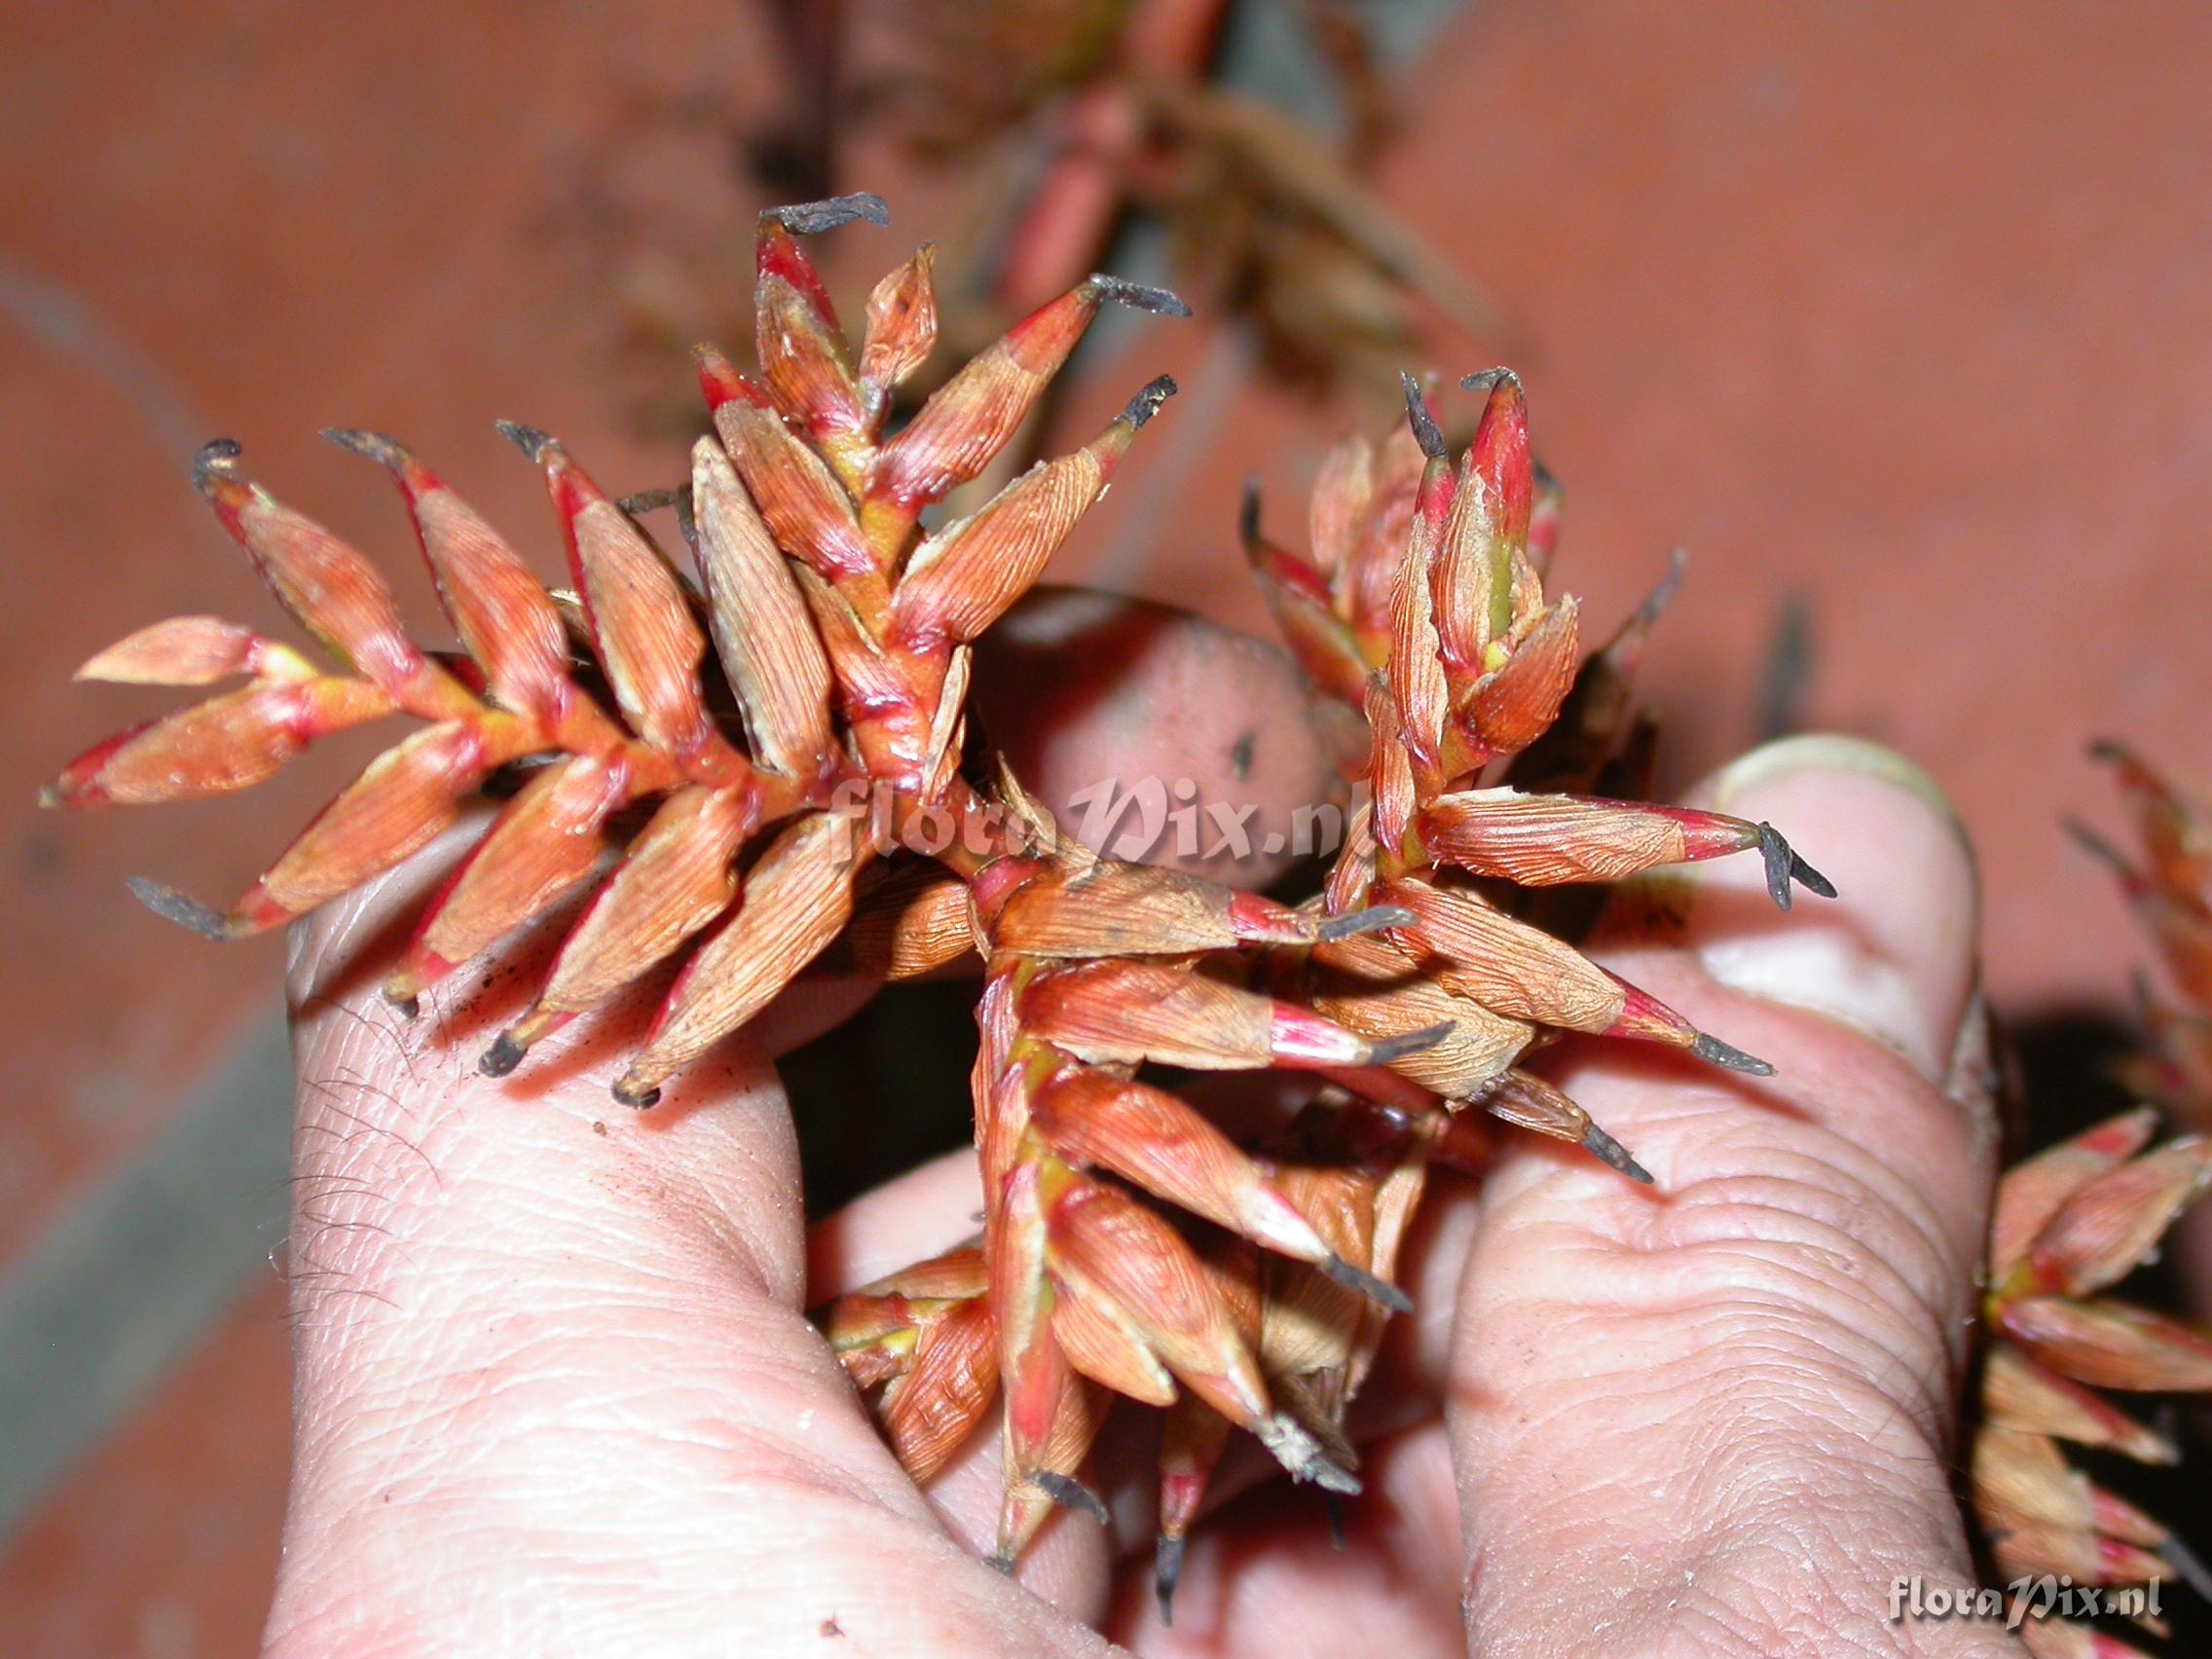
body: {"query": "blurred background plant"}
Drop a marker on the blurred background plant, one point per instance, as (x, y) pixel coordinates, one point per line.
(1222, 149)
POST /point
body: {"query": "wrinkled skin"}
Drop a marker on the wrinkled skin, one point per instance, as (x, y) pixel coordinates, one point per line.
(556, 1393)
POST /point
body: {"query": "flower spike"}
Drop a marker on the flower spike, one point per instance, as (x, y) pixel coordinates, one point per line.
(676, 751)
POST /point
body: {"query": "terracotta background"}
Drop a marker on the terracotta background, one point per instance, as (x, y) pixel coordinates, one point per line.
(1895, 314)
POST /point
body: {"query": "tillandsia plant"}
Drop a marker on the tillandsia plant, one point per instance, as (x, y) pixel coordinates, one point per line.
(2075, 1219)
(716, 734)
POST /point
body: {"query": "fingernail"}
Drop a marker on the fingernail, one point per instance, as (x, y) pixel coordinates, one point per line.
(1894, 953)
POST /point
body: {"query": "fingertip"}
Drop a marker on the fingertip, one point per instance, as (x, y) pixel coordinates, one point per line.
(1893, 954)
(1163, 737)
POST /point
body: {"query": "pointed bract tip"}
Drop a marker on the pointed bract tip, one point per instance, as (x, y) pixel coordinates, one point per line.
(1614, 1155)
(1373, 919)
(811, 218)
(2110, 750)
(1713, 1049)
(216, 457)
(528, 439)
(1003, 1562)
(1376, 1290)
(1167, 1569)
(1146, 404)
(385, 452)
(1248, 510)
(501, 1057)
(1071, 1494)
(405, 1003)
(1138, 296)
(634, 1091)
(1389, 1050)
(171, 906)
(1424, 423)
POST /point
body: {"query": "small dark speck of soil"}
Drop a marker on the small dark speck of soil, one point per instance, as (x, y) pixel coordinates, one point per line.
(598, 1127)
(830, 1627)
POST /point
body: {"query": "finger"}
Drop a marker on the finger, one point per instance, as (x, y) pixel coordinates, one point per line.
(1154, 735)
(1714, 1415)
(555, 1390)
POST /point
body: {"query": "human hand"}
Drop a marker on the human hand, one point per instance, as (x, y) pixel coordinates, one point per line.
(556, 1392)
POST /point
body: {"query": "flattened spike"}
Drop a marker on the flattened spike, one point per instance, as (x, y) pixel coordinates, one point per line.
(1071, 1494)
(186, 911)
(215, 456)
(1711, 1048)
(1811, 879)
(1424, 423)
(2187, 1566)
(376, 446)
(528, 439)
(811, 218)
(2097, 847)
(501, 1057)
(1138, 296)
(642, 1097)
(644, 502)
(1166, 1570)
(1146, 404)
(1613, 1155)
(1487, 380)
(1368, 1285)
(1784, 865)
(1776, 852)
(1387, 1051)
(1663, 591)
(1373, 919)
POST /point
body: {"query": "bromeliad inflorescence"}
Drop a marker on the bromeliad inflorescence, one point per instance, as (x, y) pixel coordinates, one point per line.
(706, 730)
(2076, 1220)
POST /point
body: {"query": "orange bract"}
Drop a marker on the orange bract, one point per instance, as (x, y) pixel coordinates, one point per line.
(1130, 1246)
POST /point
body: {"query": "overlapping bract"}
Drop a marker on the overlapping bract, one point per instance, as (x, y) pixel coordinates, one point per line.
(704, 731)
(2072, 1222)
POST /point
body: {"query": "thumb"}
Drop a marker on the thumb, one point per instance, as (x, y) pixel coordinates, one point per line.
(1713, 1416)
